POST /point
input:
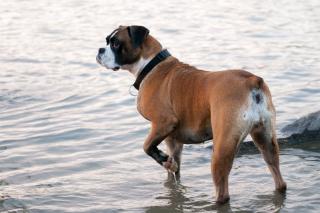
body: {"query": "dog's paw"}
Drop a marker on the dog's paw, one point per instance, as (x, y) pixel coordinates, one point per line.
(171, 165)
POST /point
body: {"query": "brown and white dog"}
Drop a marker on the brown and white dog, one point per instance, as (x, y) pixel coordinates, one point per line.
(186, 105)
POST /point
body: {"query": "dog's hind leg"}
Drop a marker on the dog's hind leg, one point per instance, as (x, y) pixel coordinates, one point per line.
(225, 145)
(174, 149)
(264, 137)
(159, 131)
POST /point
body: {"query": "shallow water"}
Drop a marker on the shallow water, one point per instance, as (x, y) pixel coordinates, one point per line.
(71, 138)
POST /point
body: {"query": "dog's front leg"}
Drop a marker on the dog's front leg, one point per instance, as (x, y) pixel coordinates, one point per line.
(174, 149)
(157, 134)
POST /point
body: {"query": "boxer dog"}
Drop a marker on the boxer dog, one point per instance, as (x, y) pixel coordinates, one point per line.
(186, 105)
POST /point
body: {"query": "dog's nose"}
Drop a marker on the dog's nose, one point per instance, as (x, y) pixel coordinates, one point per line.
(101, 50)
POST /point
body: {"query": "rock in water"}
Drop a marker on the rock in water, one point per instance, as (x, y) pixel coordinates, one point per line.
(303, 133)
(304, 130)
(305, 124)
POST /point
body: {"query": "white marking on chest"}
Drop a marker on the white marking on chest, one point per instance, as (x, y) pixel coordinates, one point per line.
(138, 66)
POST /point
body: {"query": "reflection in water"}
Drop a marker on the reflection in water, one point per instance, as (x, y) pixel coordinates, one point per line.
(177, 200)
(278, 199)
(71, 137)
(174, 197)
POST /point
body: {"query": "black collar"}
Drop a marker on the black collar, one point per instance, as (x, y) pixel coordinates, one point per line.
(154, 62)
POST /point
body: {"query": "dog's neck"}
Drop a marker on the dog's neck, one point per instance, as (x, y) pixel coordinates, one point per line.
(138, 66)
(150, 48)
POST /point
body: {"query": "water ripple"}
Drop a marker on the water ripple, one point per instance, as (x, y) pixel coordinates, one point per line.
(70, 135)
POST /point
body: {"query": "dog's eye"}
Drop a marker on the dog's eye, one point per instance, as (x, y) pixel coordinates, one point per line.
(115, 44)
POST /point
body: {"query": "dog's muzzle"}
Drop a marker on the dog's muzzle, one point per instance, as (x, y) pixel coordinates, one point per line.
(102, 50)
(99, 57)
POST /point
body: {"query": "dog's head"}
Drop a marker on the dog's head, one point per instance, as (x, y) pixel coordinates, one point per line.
(125, 46)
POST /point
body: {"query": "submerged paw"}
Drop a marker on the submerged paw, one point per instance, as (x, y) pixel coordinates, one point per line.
(171, 165)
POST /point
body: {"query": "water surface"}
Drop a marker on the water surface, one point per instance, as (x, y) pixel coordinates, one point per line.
(71, 138)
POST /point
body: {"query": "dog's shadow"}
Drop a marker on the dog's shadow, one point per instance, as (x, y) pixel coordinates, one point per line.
(177, 201)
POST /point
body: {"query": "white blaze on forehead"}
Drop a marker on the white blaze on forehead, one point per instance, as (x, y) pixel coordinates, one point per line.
(107, 59)
(113, 33)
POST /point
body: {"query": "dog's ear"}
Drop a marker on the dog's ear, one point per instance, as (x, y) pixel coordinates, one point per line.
(137, 34)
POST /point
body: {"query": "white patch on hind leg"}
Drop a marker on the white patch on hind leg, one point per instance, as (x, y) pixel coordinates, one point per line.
(256, 111)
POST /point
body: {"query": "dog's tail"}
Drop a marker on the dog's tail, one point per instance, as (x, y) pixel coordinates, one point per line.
(255, 82)
(257, 87)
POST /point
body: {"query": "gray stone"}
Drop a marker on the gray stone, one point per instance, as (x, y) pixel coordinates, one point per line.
(308, 123)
